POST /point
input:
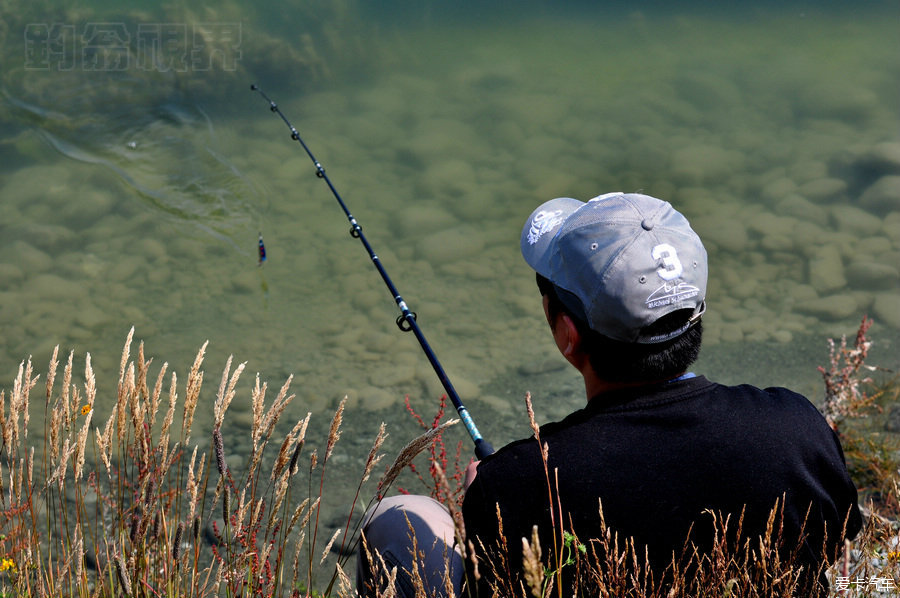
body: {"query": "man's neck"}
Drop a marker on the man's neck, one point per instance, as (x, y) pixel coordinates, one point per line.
(595, 387)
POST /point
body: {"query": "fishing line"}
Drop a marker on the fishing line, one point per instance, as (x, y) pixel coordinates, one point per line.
(406, 321)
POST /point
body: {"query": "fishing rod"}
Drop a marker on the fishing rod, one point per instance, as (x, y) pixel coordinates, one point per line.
(406, 321)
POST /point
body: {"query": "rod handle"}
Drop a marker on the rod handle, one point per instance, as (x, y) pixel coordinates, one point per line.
(483, 448)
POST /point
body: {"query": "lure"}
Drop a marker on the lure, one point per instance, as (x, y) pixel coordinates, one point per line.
(262, 251)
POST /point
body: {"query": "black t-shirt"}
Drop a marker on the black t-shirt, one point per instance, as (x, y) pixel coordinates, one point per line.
(658, 458)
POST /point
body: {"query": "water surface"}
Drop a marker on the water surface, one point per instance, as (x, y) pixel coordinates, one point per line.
(134, 196)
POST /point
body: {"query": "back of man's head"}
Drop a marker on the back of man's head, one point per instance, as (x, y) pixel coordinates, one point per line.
(630, 272)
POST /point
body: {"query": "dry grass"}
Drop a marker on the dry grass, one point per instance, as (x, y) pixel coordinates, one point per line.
(132, 506)
(131, 510)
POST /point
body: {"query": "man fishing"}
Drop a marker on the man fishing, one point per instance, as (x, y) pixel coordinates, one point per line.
(666, 455)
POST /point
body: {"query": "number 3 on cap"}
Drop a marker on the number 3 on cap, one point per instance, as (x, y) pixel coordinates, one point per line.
(671, 265)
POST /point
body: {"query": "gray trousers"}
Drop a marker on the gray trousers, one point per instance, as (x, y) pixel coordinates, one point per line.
(389, 529)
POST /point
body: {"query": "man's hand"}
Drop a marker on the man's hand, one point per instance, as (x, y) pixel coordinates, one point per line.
(471, 472)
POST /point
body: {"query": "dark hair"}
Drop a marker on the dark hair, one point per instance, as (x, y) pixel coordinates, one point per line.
(617, 361)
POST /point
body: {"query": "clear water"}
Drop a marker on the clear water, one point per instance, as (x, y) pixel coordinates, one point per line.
(135, 197)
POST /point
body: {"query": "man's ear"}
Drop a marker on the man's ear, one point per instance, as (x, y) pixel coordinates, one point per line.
(570, 337)
(566, 335)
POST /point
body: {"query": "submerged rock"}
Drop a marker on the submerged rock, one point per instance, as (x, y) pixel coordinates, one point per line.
(778, 188)
(799, 207)
(452, 245)
(823, 189)
(872, 275)
(883, 195)
(728, 234)
(882, 157)
(703, 163)
(892, 227)
(10, 276)
(826, 269)
(853, 220)
(886, 308)
(834, 307)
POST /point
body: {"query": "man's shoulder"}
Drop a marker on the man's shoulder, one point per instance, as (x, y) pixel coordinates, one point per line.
(689, 407)
(740, 395)
(769, 400)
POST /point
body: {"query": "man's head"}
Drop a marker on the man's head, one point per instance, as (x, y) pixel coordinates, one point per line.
(630, 271)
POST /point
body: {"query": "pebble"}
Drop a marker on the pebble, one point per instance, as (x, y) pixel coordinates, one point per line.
(14, 308)
(832, 100)
(707, 90)
(808, 170)
(50, 237)
(702, 163)
(783, 336)
(52, 286)
(496, 403)
(802, 209)
(797, 323)
(872, 275)
(246, 282)
(798, 291)
(370, 300)
(892, 227)
(29, 258)
(833, 307)
(767, 223)
(756, 336)
(886, 309)
(91, 317)
(374, 398)
(542, 366)
(89, 205)
(125, 267)
(874, 246)
(382, 342)
(855, 221)
(809, 238)
(882, 157)
(732, 333)
(883, 195)
(727, 234)
(158, 277)
(244, 419)
(434, 389)
(151, 248)
(745, 289)
(10, 275)
(391, 374)
(452, 245)
(236, 461)
(826, 269)
(777, 242)
(753, 324)
(823, 189)
(424, 218)
(864, 299)
(691, 199)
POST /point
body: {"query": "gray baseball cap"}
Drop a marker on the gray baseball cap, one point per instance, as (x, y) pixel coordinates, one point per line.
(621, 260)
